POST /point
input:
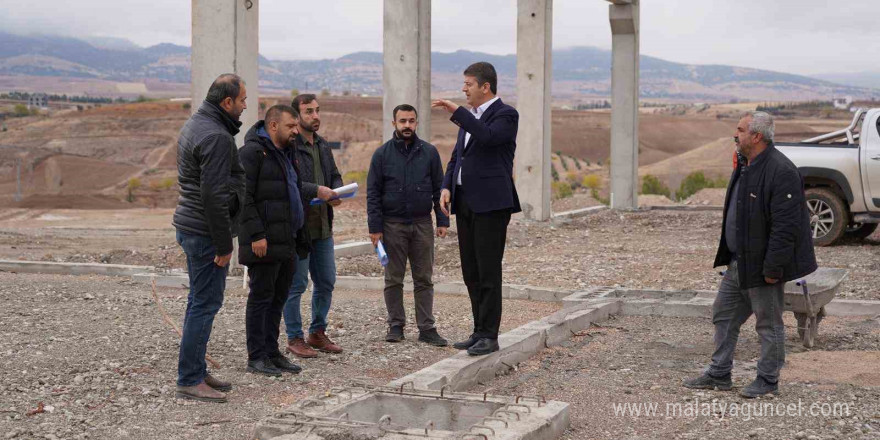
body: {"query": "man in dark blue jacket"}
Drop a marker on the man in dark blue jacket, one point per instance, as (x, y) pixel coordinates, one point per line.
(271, 232)
(478, 188)
(403, 187)
(765, 241)
(212, 186)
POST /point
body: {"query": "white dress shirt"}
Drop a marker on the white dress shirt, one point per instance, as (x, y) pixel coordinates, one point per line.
(477, 112)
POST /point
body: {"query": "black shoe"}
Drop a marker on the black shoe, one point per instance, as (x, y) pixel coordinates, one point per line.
(263, 366)
(467, 343)
(483, 346)
(282, 363)
(433, 338)
(758, 388)
(395, 334)
(708, 382)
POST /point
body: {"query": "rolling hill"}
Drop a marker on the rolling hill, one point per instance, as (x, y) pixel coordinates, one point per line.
(578, 71)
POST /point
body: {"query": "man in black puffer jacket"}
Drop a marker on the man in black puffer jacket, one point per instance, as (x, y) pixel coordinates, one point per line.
(765, 242)
(271, 228)
(211, 184)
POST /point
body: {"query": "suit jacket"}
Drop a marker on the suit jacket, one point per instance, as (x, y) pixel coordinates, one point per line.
(487, 160)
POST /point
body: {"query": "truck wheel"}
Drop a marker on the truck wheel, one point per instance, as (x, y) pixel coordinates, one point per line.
(861, 230)
(828, 216)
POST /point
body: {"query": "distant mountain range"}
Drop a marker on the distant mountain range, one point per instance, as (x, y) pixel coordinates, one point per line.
(580, 71)
(858, 79)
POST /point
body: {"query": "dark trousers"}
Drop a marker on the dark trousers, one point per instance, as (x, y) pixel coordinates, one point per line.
(481, 240)
(206, 284)
(415, 242)
(732, 308)
(269, 284)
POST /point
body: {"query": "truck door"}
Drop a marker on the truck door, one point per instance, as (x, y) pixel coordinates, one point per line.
(870, 145)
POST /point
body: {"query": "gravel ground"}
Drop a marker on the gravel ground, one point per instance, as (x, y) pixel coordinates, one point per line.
(96, 353)
(642, 360)
(653, 249)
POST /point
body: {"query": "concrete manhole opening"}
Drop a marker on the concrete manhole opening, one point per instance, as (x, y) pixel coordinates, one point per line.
(368, 412)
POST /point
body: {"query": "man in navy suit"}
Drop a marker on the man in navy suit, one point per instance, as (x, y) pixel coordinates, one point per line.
(478, 188)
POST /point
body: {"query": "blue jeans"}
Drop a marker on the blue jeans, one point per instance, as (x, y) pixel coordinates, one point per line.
(206, 284)
(321, 264)
(732, 308)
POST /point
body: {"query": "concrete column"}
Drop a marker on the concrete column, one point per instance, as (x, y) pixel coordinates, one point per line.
(225, 39)
(624, 16)
(406, 75)
(534, 29)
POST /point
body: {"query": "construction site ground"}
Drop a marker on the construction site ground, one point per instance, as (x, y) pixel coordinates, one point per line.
(97, 354)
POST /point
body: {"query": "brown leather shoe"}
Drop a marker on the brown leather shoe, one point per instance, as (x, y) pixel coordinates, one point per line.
(298, 348)
(217, 384)
(201, 392)
(321, 342)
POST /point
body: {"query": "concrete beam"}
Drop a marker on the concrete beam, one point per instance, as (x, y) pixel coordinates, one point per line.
(624, 20)
(49, 267)
(461, 371)
(225, 39)
(406, 73)
(534, 31)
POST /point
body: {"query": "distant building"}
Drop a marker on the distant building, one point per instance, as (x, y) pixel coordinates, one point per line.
(843, 103)
(336, 145)
(38, 100)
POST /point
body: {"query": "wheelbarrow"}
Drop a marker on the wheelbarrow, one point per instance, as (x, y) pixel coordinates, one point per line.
(807, 298)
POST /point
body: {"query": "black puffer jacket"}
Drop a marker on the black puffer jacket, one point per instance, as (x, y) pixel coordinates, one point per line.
(210, 177)
(773, 225)
(267, 212)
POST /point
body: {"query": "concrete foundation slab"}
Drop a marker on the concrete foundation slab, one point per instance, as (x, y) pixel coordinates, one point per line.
(365, 412)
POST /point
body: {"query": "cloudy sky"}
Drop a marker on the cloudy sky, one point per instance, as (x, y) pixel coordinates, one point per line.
(796, 36)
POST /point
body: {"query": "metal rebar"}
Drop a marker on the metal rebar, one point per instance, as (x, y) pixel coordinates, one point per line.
(492, 430)
(504, 411)
(497, 419)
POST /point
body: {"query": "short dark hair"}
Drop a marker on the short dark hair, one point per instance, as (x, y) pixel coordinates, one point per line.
(484, 73)
(225, 86)
(305, 98)
(403, 108)
(274, 112)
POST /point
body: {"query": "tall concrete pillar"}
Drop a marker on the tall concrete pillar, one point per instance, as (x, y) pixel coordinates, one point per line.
(624, 16)
(534, 29)
(225, 39)
(406, 75)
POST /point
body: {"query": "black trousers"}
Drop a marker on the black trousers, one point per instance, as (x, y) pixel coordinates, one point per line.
(269, 284)
(481, 240)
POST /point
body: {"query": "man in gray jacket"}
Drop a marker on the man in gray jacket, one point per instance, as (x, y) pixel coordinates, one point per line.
(212, 185)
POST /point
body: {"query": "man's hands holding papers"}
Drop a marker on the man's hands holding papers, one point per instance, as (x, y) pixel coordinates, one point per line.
(325, 193)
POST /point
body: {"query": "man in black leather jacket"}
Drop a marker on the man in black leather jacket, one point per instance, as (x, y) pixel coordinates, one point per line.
(765, 241)
(212, 185)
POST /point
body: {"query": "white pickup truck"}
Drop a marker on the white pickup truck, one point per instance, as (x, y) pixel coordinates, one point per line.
(841, 172)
